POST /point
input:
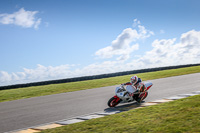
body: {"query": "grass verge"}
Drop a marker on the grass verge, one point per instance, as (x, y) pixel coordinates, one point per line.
(175, 117)
(21, 93)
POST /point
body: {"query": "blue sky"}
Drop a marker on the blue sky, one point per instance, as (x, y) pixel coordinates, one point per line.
(55, 39)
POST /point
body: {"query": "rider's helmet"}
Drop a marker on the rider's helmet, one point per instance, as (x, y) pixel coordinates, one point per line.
(134, 80)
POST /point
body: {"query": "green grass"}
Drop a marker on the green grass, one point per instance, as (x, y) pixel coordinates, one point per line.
(180, 116)
(20, 93)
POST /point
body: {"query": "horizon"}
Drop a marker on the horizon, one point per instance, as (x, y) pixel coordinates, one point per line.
(51, 81)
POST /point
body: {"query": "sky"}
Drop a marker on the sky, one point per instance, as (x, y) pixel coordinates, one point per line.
(44, 40)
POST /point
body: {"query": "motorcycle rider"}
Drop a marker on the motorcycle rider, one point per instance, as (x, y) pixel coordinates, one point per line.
(139, 86)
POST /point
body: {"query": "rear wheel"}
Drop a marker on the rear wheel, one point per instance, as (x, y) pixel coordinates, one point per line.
(113, 102)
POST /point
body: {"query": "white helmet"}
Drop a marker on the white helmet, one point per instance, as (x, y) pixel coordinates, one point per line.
(134, 80)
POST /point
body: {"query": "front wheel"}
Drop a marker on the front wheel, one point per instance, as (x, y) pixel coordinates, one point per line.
(113, 102)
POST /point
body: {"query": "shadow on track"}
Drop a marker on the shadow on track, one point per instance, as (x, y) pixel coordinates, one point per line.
(123, 107)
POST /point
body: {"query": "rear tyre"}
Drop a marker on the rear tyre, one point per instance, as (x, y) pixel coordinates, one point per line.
(113, 102)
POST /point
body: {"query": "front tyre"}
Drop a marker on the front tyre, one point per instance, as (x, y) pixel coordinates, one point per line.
(113, 102)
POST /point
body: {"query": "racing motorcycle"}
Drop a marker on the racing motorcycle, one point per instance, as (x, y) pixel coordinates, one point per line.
(123, 94)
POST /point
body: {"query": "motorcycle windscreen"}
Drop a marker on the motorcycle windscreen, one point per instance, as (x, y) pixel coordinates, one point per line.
(130, 88)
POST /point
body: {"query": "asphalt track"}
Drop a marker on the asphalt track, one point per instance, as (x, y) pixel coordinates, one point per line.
(35, 111)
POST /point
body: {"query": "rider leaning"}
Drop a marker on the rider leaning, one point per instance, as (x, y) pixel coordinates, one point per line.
(139, 86)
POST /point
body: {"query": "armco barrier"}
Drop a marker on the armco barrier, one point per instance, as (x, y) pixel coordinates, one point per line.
(93, 77)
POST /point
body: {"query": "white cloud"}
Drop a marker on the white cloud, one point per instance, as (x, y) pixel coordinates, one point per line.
(40, 73)
(4, 76)
(21, 18)
(167, 52)
(43, 73)
(164, 52)
(136, 22)
(122, 45)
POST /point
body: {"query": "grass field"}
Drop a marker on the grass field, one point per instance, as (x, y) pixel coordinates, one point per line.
(20, 93)
(180, 116)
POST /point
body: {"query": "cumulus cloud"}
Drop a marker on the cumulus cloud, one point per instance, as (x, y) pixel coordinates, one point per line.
(43, 73)
(167, 52)
(164, 52)
(122, 45)
(21, 18)
(5, 77)
(136, 22)
(40, 73)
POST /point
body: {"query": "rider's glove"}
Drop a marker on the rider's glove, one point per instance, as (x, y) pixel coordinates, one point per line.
(131, 94)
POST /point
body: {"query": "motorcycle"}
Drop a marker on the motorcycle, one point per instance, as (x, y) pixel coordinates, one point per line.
(123, 94)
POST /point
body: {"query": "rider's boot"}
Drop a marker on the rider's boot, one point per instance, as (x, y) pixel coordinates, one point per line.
(138, 100)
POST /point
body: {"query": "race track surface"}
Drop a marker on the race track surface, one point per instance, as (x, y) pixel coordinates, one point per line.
(35, 111)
